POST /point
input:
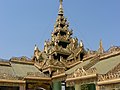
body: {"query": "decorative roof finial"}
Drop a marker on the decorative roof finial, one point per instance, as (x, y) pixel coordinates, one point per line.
(61, 1)
(81, 43)
(101, 49)
(36, 48)
(60, 8)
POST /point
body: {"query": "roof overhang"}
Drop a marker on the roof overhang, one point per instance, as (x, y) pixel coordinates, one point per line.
(12, 81)
(37, 78)
(81, 78)
(109, 82)
(58, 76)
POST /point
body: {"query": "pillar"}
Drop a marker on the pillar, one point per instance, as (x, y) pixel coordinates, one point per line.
(22, 87)
(97, 87)
(56, 85)
(77, 86)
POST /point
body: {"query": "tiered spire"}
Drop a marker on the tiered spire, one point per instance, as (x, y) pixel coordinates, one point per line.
(61, 48)
(61, 27)
(62, 43)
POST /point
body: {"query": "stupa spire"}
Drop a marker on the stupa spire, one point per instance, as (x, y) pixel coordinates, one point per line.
(61, 12)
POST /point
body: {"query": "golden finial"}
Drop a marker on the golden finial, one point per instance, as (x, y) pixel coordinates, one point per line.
(61, 1)
(61, 8)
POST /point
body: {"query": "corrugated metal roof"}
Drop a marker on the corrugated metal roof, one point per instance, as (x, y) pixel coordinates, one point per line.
(77, 66)
(21, 70)
(6, 70)
(106, 65)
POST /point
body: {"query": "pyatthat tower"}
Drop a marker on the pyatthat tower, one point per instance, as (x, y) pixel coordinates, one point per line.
(63, 65)
(62, 51)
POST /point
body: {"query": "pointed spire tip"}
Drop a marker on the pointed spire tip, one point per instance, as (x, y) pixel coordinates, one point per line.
(61, 8)
(61, 1)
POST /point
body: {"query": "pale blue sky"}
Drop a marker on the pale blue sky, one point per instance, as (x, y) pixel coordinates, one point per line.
(24, 23)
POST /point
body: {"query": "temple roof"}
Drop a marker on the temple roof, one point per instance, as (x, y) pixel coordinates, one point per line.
(78, 66)
(106, 65)
(22, 70)
(18, 70)
(6, 70)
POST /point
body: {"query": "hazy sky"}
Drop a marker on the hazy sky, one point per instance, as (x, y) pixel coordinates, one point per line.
(24, 23)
